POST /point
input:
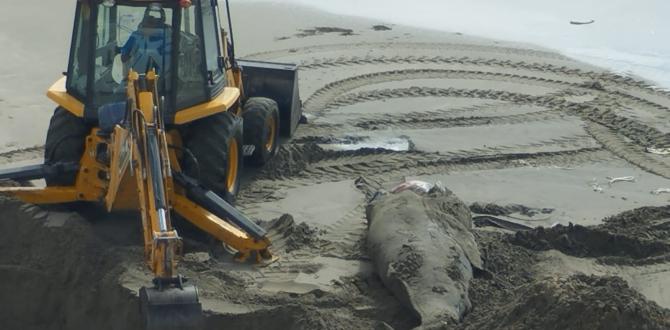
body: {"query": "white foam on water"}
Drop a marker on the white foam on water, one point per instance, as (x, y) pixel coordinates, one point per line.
(627, 36)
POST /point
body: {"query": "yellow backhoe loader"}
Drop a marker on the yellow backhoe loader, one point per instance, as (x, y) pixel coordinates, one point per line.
(155, 114)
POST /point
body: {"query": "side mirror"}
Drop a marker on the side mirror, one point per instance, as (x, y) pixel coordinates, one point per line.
(117, 70)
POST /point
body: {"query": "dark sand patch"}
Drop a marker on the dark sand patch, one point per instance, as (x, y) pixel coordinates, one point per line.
(640, 236)
(381, 27)
(320, 30)
(576, 302)
(508, 294)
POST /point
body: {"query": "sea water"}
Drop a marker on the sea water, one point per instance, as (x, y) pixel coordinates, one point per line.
(627, 36)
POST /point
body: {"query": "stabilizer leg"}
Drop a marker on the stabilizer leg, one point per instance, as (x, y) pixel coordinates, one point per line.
(34, 172)
(217, 205)
(236, 238)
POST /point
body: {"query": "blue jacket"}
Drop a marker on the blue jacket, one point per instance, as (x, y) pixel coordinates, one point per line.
(146, 45)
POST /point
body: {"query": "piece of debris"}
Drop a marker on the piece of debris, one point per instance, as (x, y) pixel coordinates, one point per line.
(352, 143)
(319, 30)
(582, 22)
(612, 180)
(418, 186)
(490, 221)
(508, 210)
(596, 186)
(661, 191)
(658, 151)
(381, 28)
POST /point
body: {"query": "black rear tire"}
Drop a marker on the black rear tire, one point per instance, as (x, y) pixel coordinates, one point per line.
(65, 143)
(261, 129)
(209, 141)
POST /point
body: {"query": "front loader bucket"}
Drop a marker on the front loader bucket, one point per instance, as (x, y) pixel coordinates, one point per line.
(171, 308)
(277, 81)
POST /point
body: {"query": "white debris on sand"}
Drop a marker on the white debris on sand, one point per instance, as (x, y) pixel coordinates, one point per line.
(612, 180)
(596, 186)
(659, 151)
(418, 186)
(661, 191)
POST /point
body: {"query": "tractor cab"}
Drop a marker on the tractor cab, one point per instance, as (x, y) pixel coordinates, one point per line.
(180, 40)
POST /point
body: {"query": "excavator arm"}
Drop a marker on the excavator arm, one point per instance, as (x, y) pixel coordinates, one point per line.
(170, 301)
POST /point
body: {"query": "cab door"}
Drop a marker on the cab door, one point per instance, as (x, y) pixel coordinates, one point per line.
(210, 35)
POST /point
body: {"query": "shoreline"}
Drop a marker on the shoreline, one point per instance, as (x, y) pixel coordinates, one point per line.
(604, 43)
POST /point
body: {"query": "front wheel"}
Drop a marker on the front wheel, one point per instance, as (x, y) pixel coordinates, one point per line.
(65, 143)
(261, 129)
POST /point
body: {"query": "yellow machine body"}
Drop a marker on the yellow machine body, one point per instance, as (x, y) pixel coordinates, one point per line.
(126, 184)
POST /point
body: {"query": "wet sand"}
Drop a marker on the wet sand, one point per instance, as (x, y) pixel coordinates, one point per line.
(496, 122)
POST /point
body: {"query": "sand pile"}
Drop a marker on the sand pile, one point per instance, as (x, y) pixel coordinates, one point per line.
(636, 237)
(576, 302)
(57, 274)
(295, 236)
(510, 293)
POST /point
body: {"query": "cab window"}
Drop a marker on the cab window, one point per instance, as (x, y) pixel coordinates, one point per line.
(190, 78)
(136, 37)
(211, 37)
(78, 68)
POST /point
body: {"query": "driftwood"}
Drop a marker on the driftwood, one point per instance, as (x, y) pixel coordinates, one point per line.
(582, 22)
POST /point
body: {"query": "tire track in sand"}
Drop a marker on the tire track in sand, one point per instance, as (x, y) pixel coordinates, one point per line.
(325, 98)
(389, 166)
(600, 76)
(17, 155)
(273, 54)
(640, 133)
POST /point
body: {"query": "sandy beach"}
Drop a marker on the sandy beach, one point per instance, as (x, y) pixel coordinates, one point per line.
(502, 124)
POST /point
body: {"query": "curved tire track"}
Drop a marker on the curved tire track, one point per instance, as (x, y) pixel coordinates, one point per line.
(273, 54)
(640, 133)
(9, 157)
(396, 165)
(632, 153)
(602, 76)
(326, 98)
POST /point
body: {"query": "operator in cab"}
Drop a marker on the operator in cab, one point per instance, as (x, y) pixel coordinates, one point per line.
(149, 47)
